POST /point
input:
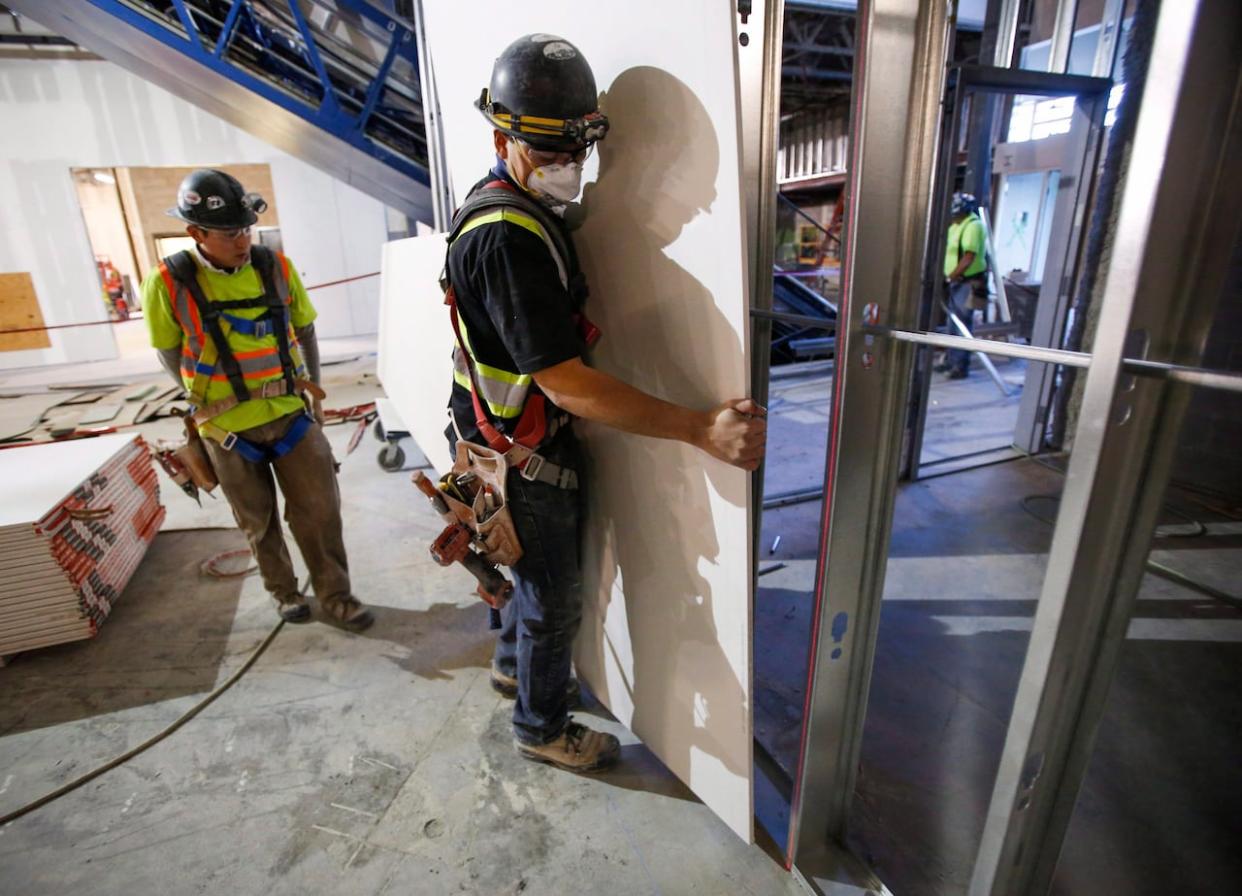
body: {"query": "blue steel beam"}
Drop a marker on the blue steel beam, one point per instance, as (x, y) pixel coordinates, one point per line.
(330, 108)
(328, 115)
(399, 36)
(226, 32)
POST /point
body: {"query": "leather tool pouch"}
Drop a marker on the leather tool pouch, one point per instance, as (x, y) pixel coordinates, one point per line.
(497, 536)
(194, 458)
(978, 293)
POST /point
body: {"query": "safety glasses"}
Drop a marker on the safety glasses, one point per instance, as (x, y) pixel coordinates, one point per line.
(541, 157)
(230, 234)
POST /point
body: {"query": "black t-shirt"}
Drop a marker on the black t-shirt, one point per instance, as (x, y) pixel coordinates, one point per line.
(517, 314)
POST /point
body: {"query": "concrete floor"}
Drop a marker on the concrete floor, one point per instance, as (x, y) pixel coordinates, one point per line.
(340, 763)
(381, 763)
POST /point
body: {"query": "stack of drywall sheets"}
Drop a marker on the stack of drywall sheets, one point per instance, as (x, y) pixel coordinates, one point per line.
(76, 519)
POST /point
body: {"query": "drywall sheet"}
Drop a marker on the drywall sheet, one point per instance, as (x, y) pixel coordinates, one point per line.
(19, 310)
(415, 363)
(666, 632)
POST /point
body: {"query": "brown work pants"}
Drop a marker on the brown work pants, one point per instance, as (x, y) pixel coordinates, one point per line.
(307, 478)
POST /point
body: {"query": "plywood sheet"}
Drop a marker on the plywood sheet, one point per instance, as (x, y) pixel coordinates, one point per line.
(19, 310)
(666, 634)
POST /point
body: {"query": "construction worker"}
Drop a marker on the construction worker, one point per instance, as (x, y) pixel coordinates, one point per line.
(965, 270)
(516, 300)
(233, 325)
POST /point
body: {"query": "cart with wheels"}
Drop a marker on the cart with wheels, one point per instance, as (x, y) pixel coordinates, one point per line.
(390, 429)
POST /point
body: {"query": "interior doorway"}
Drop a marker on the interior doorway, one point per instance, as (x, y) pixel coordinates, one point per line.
(1019, 147)
(112, 249)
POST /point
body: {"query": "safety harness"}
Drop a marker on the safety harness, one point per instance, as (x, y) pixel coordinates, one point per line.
(207, 325)
(507, 394)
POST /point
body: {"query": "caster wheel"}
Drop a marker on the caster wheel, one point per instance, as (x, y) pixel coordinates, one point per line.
(391, 458)
(378, 430)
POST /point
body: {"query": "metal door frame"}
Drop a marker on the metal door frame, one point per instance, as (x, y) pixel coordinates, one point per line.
(1179, 214)
(1068, 216)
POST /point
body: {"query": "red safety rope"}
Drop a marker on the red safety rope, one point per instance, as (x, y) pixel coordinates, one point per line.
(101, 323)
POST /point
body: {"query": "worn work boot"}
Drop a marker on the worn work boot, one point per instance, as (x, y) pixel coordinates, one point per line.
(578, 749)
(295, 609)
(349, 613)
(507, 687)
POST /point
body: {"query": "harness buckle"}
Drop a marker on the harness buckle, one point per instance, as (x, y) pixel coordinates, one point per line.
(229, 441)
(262, 328)
(530, 470)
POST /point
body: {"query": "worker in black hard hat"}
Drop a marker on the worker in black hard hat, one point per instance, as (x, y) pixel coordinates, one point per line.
(517, 299)
(233, 325)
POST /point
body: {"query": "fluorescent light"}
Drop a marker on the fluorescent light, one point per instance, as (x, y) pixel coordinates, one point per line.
(103, 177)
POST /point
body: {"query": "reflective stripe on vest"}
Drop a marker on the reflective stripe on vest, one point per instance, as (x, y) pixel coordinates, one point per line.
(198, 355)
(504, 392)
(256, 365)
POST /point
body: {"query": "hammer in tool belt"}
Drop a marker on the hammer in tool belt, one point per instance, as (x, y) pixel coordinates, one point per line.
(453, 545)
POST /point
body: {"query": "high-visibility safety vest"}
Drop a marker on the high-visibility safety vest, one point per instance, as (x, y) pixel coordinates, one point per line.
(207, 356)
(506, 394)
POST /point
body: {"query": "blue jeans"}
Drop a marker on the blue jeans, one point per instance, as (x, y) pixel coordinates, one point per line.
(536, 639)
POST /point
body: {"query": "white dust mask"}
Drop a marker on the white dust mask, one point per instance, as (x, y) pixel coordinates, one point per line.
(559, 183)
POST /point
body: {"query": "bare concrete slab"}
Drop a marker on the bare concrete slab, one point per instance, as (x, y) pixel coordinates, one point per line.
(340, 763)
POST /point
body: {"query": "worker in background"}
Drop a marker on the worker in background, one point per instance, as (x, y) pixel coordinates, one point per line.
(965, 270)
(233, 325)
(520, 378)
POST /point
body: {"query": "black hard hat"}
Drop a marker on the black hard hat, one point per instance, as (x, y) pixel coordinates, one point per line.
(216, 200)
(543, 92)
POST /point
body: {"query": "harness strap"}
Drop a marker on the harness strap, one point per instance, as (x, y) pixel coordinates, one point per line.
(219, 323)
(257, 454)
(499, 193)
(270, 389)
(186, 272)
(264, 261)
(258, 327)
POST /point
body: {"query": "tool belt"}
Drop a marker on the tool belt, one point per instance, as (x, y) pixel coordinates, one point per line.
(193, 456)
(477, 496)
(978, 291)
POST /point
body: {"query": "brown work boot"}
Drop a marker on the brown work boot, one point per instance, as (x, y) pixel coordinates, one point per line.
(348, 612)
(294, 609)
(507, 687)
(578, 749)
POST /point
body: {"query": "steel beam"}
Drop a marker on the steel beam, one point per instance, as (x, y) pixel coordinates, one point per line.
(163, 54)
(1179, 222)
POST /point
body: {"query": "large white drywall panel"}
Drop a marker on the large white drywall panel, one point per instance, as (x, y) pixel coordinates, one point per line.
(59, 115)
(666, 634)
(415, 362)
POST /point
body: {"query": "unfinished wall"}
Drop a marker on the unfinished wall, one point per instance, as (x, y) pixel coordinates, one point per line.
(60, 115)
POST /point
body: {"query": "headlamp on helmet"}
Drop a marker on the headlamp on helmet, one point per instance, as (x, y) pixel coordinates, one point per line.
(541, 132)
